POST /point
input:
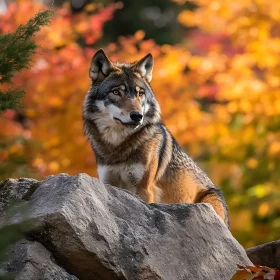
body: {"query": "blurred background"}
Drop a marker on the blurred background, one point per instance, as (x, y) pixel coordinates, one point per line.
(216, 76)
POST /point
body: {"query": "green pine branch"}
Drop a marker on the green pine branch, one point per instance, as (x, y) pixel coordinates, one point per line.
(10, 99)
(16, 51)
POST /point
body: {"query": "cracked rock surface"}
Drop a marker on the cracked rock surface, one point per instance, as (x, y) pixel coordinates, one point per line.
(29, 260)
(15, 189)
(96, 231)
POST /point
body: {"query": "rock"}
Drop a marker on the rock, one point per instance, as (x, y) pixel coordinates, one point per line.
(267, 254)
(97, 231)
(30, 260)
(15, 189)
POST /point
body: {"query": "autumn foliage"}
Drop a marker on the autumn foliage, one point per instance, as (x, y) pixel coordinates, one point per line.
(218, 89)
(256, 272)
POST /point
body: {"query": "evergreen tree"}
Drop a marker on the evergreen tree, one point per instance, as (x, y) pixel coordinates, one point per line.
(16, 51)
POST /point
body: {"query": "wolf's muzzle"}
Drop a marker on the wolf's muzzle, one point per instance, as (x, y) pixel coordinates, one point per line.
(136, 116)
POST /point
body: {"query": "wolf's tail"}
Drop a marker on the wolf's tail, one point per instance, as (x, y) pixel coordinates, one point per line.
(216, 198)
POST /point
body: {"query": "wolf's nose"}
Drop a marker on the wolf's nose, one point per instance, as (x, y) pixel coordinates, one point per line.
(136, 116)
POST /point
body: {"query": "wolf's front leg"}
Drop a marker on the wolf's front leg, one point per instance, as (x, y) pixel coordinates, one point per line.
(147, 194)
(146, 189)
(107, 175)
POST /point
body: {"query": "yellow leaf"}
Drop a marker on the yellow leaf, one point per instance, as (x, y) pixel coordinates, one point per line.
(53, 166)
(252, 163)
(263, 209)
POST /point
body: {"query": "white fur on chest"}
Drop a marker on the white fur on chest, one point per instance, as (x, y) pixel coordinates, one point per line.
(122, 175)
(111, 132)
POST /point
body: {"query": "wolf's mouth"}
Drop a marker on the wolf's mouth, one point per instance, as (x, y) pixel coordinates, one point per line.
(126, 124)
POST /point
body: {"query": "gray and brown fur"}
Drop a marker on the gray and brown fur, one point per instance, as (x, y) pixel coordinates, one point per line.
(133, 148)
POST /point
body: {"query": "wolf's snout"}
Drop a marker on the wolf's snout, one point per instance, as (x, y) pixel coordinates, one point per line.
(136, 116)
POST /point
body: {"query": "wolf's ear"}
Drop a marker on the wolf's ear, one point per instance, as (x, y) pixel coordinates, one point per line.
(100, 66)
(145, 67)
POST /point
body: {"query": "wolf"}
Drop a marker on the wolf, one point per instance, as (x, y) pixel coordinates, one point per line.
(133, 148)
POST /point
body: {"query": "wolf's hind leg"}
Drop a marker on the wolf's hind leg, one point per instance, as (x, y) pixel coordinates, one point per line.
(214, 197)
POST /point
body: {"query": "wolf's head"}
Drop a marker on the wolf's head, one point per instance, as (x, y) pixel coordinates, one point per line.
(120, 97)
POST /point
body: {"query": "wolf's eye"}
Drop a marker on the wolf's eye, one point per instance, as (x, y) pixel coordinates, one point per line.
(116, 92)
(141, 93)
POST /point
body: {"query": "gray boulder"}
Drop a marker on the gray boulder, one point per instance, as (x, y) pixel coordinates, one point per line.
(14, 190)
(267, 254)
(97, 231)
(29, 260)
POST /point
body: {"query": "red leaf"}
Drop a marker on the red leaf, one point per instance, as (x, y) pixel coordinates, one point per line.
(277, 275)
